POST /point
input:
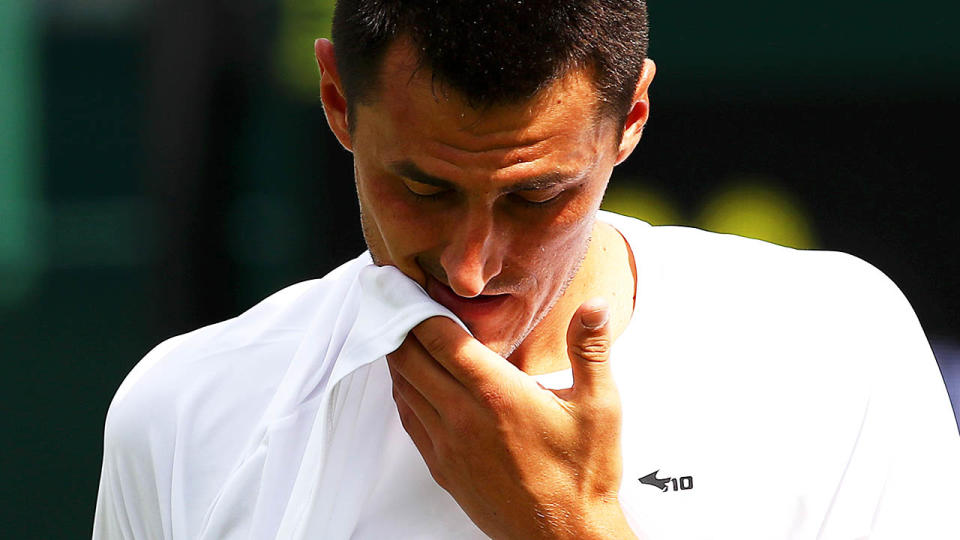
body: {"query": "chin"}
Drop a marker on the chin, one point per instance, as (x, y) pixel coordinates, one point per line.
(498, 342)
(502, 348)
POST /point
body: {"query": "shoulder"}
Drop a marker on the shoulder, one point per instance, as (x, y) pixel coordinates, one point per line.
(698, 274)
(745, 271)
(763, 306)
(181, 420)
(801, 321)
(203, 381)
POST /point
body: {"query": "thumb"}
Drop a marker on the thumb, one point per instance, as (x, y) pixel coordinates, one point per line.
(588, 346)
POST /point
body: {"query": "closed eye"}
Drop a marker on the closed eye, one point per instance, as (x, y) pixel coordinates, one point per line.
(538, 196)
(421, 189)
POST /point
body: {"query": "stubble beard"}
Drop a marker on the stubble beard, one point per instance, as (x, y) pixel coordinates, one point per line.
(513, 346)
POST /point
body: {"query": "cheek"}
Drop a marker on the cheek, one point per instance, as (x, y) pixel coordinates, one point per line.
(401, 231)
(552, 251)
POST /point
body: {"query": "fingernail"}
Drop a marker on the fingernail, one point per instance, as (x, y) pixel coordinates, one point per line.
(595, 319)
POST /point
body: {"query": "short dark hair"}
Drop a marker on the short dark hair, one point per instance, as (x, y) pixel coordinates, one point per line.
(497, 51)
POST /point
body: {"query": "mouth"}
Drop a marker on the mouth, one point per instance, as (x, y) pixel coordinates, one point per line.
(468, 309)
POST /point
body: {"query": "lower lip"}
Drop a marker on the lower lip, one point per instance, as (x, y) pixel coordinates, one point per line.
(466, 308)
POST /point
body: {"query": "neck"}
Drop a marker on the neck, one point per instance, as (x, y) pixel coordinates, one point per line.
(607, 270)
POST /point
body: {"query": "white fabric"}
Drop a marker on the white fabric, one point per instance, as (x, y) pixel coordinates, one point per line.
(793, 392)
(307, 464)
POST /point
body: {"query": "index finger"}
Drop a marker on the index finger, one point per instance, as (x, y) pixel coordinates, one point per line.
(468, 360)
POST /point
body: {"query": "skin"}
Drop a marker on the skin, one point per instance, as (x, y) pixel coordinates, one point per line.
(492, 211)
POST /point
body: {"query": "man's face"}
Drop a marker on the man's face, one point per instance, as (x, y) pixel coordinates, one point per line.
(490, 210)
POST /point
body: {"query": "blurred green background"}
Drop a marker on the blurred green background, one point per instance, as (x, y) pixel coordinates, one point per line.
(166, 164)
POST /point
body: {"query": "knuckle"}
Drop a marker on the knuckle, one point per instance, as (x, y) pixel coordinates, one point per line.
(445, 455)
(433, 458)
(494, 399)
(404, 420)
(438, 477)
(397, 360)
(595, 348)
(400, 386)
(406, 416)
(495, 396)
(436, 344)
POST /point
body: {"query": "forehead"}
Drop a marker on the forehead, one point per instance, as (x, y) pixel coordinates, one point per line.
(413, 113)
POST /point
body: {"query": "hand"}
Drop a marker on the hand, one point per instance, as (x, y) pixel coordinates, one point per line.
(521, 460)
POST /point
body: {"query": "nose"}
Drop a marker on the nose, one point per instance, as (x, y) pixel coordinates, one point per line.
(470, 258)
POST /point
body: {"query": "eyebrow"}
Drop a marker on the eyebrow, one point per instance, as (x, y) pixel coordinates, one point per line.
(409, 170)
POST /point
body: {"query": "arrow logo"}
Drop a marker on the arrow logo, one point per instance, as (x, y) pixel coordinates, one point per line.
(652, 480)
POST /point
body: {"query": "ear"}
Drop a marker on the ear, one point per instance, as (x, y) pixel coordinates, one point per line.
(639, 112)
(331, 92)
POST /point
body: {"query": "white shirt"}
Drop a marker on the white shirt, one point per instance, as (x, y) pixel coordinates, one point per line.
(774, 393)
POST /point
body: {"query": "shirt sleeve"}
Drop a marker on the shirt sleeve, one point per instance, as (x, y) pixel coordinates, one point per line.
(129, 503)
(134, 496)
(127, 507)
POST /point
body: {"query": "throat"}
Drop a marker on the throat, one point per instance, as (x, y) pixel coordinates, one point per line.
(542, 351)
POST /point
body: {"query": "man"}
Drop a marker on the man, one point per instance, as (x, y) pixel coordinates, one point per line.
(610, 380)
